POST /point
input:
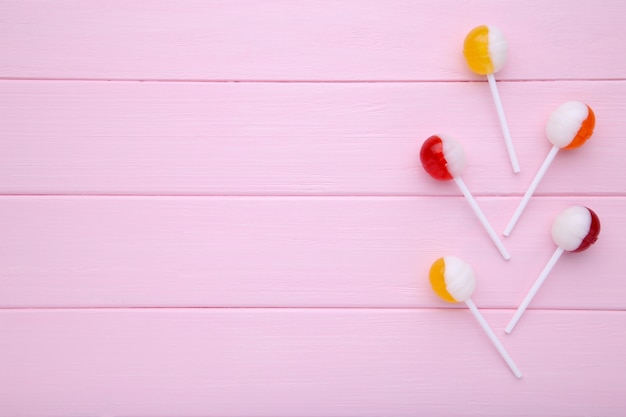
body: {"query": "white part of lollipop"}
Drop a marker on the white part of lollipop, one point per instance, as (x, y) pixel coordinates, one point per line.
(503, 123)
(492, 336)
(534, 289)
(454, 154)
(570, 227)
(531, 190)
(459, 278)
(498, 47)
(481, 216)
(565, 122)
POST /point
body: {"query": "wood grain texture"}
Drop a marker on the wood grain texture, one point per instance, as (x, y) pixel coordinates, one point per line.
(268, 252)
(215, 208)
(305, 363)
(277, 138)
(304, 40)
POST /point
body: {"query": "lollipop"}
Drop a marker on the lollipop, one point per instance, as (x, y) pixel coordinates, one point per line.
(485, 50)
(573, 230)
(443, 159)
(569, 127)
(453, 280)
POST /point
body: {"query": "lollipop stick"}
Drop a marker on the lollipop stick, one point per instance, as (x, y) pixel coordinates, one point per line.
(504, 125)
(533, 290)
(472, 202)
(492, 336)
(531, 189)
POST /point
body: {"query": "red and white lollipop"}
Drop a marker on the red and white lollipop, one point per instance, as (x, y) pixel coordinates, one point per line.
(569, 127)
(574, 230)
(443, 158)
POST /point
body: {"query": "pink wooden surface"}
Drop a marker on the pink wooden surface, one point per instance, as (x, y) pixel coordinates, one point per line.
(286, 138)
(304, 40)
(248, 232)
(291, 252)
(306, 362)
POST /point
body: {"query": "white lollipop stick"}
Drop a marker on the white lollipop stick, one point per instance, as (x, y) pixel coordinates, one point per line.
(481, 216)
(494, 339)
(504, 125)
(533, 290)
(531, 190)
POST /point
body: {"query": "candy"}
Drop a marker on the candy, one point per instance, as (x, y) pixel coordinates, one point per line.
(453, 280)
(486, 51)
(569, 127)
(443, 158)
(574, 230)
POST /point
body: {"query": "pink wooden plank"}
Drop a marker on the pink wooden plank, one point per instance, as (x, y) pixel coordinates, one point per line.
(284, 138)
(304, 40)
(316, 252)
(308, 362)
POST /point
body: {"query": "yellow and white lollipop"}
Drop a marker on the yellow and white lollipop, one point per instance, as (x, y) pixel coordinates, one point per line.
(486, 51)
(453, 280)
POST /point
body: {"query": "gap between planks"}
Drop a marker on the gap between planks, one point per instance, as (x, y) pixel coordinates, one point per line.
(308, 81)
(287, 309)
(277, 196)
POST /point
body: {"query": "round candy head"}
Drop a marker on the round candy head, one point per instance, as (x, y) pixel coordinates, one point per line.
(442, 157)
(452, 279)
(485, 49)
(576, 228)
(570, 125)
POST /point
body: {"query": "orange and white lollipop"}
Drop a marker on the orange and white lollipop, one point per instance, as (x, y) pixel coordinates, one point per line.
(569, 127)
(486, 50)
(453, 280)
